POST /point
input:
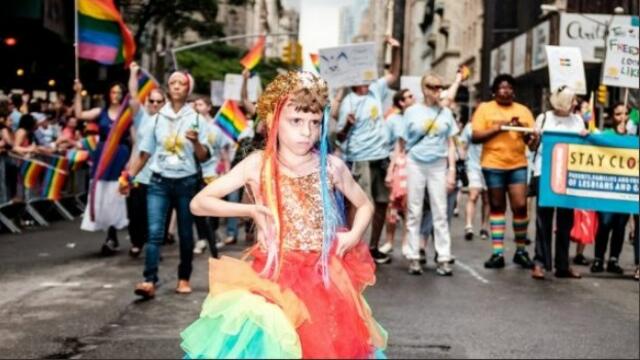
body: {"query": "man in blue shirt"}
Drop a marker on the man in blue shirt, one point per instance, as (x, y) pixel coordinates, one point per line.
(364, 138)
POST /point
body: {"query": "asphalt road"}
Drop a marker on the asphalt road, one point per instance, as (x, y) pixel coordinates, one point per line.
(60, 299)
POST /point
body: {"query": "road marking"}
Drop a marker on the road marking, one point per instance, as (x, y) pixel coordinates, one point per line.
(470, 270)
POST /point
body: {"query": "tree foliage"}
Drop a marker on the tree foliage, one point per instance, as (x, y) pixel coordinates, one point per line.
(213, 62)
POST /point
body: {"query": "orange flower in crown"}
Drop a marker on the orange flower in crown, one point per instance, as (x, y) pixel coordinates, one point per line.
(306, 91)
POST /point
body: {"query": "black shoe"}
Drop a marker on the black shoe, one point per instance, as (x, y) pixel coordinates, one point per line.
(496, 261)
(581, 260)
(169, 240)
(135, 251)
(613, 267)
(423, 257)
(597, 266)
(468, 234)
(522, 258)
(379, 257)
(484, 234)
(109, 247)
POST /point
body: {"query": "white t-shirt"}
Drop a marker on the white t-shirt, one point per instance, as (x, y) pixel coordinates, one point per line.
(571, 123)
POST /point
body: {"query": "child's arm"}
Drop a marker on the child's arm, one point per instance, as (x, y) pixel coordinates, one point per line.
(354, 193)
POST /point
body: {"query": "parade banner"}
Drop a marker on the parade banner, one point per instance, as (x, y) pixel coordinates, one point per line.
(233, 87)
(595, 172)
(566, 68)
(622, 64)
(349, 65)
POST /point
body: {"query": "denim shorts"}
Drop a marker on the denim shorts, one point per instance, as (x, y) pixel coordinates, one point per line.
(498, 178)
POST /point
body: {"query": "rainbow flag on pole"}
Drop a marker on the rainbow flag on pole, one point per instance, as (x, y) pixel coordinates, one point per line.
(89, 143)
(77, 158)
(231, 119)
(146, 83)
(31, 172)
(55, 178)
(102, 34)
(254, 55)
(315, 60)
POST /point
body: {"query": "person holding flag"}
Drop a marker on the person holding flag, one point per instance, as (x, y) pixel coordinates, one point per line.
(174, 147)
(106, 208)
(146, 101)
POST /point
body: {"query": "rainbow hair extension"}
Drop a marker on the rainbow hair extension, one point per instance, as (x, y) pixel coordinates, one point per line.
(330, 214)
(270, 189)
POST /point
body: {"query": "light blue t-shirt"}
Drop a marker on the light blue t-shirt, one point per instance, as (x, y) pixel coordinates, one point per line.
(435, 145)
(474, 151)
(368, 137)
(395, 128)
(217, 140)
(172, 153)
(15, 119)
(143, 123)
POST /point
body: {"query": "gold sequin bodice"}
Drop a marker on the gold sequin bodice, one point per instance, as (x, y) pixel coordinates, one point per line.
(301, 212)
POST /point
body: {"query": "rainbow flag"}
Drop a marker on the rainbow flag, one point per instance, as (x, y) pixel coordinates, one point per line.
(77, 158)
(231, 119)
(146, 83)
(55, 178)
(102, 34)
(31, 172)
(315, 60)
(121, 126)
(89, 143)
(590, 116)
(254, 55)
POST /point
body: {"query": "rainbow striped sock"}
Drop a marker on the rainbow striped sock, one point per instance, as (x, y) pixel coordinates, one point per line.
(497, 224)
(520, 226)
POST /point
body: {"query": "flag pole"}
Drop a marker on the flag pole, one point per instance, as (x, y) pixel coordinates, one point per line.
(75, 43)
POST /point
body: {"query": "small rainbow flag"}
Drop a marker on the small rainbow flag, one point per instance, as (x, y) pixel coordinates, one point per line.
(31, 172)
(121, 126)
(102, 34)
(254, 55)
(89, 143)
(146, 83)
(590, 116)
(231, 119)
(55, 178)
(77, 158)
(315, 60)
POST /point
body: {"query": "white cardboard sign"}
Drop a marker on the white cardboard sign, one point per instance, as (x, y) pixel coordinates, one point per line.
(621, 67)
(233, 85)
(566, 68)
(349, 65)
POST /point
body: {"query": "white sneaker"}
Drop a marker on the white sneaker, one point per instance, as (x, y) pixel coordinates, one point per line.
(200, 247)
(386, 248)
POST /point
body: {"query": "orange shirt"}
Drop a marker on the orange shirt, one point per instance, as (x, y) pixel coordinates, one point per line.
(505, 151)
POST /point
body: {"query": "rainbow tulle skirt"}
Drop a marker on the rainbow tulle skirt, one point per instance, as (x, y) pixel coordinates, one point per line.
(248, 316)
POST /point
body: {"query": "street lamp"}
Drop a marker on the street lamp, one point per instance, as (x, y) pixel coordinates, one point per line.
(20, 72)
(52, 83)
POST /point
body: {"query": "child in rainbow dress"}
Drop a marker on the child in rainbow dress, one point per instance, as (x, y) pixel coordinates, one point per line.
(301, 294)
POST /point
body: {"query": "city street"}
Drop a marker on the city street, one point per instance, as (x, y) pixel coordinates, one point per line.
(60, 299)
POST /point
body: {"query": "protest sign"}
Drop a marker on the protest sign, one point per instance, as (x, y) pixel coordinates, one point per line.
(621, 66)
(233, 85)
(349, 65)
(217, 92)
(566, 68)
(597, 172)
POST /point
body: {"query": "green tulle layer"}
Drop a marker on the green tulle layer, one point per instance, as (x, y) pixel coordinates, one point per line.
(239, 324)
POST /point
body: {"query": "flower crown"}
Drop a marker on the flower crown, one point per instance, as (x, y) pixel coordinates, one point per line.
(285, 84)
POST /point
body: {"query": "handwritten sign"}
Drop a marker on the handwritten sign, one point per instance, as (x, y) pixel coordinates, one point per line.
(349, 65)
(621, 67)
(217, 92)
(233, 86)
(566, 68)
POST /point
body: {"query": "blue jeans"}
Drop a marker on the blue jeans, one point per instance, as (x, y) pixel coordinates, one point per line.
(161, 193)
(232, 223)
(497, 178)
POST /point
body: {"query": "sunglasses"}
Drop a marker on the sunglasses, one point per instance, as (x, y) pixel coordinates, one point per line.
(433, 87)
(151, 101)
(409, 96)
